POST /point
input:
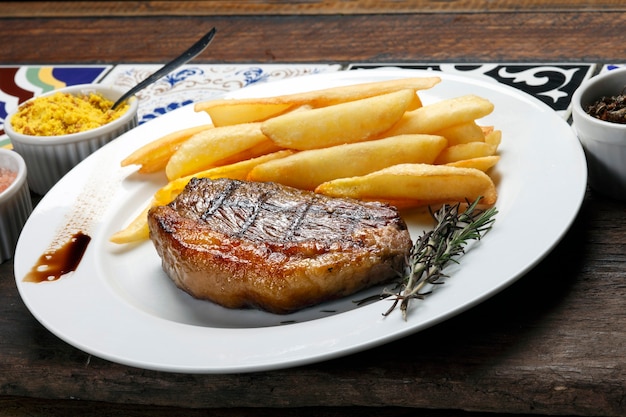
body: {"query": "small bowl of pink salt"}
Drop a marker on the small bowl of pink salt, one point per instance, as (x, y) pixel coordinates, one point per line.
(15, 201)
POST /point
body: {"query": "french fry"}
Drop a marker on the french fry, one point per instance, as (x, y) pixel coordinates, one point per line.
(483, 163)
(463, 151)
(373, 141)
(416, 103)
(433, 118)
(153, 156)
(494, 138)
(237, 171)
(419, 183)
(262, 148)
(236, 111)
(463, 133)
(308, 169)
(350, 122)
(343, 94)
(136, 231)
(206, 149)
(487, 129)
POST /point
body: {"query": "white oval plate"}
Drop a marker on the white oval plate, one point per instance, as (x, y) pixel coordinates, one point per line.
(119, 305)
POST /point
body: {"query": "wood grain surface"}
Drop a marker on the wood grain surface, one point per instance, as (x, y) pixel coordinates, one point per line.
(440, 37)
(311, 7)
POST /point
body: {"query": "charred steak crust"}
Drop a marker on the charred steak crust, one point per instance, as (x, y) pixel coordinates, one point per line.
(277, 248)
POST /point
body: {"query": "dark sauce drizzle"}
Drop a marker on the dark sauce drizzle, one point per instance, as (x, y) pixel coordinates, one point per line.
(53, 265)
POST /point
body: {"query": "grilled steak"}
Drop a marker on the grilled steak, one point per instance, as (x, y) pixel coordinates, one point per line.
(247, 244)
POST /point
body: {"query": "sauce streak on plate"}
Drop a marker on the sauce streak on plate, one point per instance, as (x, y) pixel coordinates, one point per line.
(70, 242)
(53, 265)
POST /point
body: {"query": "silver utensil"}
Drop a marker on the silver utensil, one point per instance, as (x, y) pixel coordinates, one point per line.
(185, 57)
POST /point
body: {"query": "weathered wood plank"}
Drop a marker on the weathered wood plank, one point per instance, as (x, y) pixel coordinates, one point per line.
(492, 37)
(302, 7)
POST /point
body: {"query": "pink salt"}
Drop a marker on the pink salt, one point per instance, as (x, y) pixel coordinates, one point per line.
(7, 177)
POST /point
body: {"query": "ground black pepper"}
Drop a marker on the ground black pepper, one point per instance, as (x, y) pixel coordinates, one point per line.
(609, 108)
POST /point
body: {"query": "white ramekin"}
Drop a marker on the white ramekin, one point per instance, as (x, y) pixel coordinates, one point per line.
(604, 142)
(15, 203)
(49, 158)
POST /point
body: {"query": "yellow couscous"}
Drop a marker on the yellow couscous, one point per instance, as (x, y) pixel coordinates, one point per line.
(64, 113)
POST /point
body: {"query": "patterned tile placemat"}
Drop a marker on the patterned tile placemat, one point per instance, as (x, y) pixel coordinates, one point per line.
(193, 83)
(188, 84)
(553, 84)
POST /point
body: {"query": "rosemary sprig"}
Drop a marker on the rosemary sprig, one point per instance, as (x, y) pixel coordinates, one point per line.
(435, 249)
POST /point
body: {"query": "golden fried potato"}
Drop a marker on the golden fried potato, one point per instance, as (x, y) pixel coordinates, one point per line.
(236, 171)
(308, 169)
(417, 183)
(433, 118)
(136, 231)
(483, 163)
(463, 151)
(262, 148)
(235, 111)
(153, 156)
(487, 129)
(463, 133)
(336, 95)
(350, 122)
(372, 141)
(209, 148)
(494, 138)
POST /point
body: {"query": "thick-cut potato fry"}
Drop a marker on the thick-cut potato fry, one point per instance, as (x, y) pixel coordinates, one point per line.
(416, 103)
(336, 95)
(236, 171)
(433, 118)
(487, 129)
(153, 156)
(483, 163)
(308, 169)
(260, 149)
(136, 231)
(236, 113)
(463, 151)
(350, 122)
(494, 138)
(463, 133)
(416, 182)
(206, 149)
(373, 141)
(320, 98)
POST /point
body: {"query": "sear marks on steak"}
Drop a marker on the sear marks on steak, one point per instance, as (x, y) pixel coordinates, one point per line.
(247, 244)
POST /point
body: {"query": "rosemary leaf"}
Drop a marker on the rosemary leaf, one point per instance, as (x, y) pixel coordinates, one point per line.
(436, 248)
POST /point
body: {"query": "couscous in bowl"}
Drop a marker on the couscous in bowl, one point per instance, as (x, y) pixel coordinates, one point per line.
(51, 149)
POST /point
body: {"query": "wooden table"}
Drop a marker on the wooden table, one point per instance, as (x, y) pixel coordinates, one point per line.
(554, 343)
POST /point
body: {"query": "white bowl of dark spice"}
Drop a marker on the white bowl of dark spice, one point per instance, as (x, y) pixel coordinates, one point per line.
(599, 115)
(15, 201)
